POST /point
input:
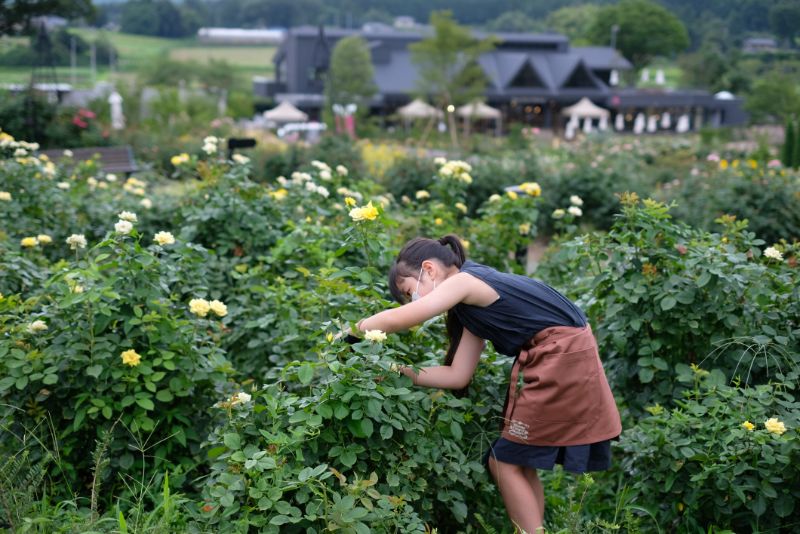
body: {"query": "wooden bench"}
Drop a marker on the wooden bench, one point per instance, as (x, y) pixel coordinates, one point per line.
(112, 159)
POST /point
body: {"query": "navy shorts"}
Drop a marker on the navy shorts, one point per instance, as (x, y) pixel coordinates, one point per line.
(574, 458)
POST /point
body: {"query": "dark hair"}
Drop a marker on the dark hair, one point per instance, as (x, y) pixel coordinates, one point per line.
(450, 252)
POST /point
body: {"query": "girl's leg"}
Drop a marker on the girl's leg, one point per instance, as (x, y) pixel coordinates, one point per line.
(538, 489)
(522, 504)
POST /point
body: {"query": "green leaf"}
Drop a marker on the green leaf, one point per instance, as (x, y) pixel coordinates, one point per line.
(325, 411)
(22, 382)
(386, 431)
(784, 505)
(362, 428)
(94, 370)
(667, 303)
(703, 280)
(48, 380)
(305, 373)
(107, 412)
(646, 375)
(348, 458)
(146, 403)
(164, 395)
(280, 520)
(126, 460)
(455, 430)
(232, 440)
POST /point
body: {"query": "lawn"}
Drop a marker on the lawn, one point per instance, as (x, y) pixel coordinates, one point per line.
(135, 51)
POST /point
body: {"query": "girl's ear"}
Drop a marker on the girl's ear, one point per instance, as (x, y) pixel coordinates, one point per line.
(429, 266)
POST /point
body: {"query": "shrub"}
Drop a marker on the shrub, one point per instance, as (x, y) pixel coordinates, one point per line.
(111, 339)
(663, 294)
(712, 460)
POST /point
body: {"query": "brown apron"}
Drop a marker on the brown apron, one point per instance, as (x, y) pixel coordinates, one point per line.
(559, 395)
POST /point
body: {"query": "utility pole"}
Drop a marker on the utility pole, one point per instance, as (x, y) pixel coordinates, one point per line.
(93, 62)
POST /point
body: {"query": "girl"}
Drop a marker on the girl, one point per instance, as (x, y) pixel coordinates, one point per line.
(559, 407)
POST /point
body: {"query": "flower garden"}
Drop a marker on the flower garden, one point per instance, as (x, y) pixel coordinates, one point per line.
(172, 358)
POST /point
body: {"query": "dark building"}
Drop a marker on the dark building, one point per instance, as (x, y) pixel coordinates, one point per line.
(531, 77)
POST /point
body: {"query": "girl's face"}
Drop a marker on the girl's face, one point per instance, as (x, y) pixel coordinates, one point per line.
(414, 288)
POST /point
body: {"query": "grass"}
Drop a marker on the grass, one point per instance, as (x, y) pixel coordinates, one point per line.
(136, 51)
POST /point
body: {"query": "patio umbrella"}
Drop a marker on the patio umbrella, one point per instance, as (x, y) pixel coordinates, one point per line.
(285, 112)
(638, 123)
(666, 121)
(652, 123)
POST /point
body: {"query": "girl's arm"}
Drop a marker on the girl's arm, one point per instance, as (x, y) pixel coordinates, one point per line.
(457, 375)
(446, 295)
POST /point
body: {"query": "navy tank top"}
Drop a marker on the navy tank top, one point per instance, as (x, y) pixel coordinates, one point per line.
(525, 307)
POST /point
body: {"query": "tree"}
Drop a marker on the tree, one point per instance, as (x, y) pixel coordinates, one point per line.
(147, 17)
(645, 30)
(573, 21)
(784, 19)
(514, 21)
(15, 16)
(447, 64)
(787, 154)
(796, 152)
(350, 77)
(773, 96)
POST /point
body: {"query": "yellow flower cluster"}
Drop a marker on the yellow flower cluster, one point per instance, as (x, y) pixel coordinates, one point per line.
(134, 186)
(460, 206)
(201, 307)
(531, 188)
(28, 242)
(131, 358)
(179, 159)
(457, 170)
(524, 228)
(364, 213)
(5, 195)
(278, 194)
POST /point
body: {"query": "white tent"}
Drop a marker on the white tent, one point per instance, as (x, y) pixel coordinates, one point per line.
(417, 109)
(639, 123)
(285, 112)
(478, 110)
(585, 108)
(619, 122)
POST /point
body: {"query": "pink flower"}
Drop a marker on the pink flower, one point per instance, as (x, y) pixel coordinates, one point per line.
(89, 114)
(79, 123)
(712, 157)
(774, 163)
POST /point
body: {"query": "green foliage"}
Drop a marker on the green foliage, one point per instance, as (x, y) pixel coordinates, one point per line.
(340, 440)
(514, 21)
(646, 30)
(17, 16)
(784, 18)
(773, 97)
(574, 22)
(666, 294)
(765, 197)
(73, 361)
(153, 17)
(697, 464)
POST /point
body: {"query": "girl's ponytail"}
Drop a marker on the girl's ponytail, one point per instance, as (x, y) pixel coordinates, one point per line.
(452, 241)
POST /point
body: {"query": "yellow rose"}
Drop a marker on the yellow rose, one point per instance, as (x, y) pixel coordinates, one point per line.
(422, 194)
(773, 425)
(512, 195)
(524, 228)
(366, 213)
(28, 242)
(349, 202)
(460, 206)
(747, 425)
(5, 195)
(199, 307)
(164, 238)
(131, 357)
(44, 239)
(218, 308)
(438, 221)
(531, 188)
